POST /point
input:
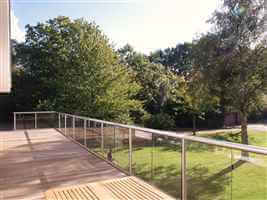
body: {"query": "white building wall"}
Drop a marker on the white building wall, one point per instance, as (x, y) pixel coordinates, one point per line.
(5, 56)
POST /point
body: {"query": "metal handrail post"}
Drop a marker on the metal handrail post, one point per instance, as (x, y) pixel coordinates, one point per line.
(59, 124)
(84, 129)
(73, 127)
(15, 121)
(35, 120)
(102, 137)
(130, 151)
(183, 170)
(65, 124)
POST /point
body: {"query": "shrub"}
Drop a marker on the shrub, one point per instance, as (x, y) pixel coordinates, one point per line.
(161, 121)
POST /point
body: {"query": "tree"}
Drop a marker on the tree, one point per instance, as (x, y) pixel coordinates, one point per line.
(72, 67)
(159, 85)
(198, 100)
(177, 59)
(232, 59)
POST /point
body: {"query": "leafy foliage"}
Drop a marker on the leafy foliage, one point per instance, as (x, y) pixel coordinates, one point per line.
(231, 61)
(161, 121)
(159, 85)
(71, 67)
(177, 59)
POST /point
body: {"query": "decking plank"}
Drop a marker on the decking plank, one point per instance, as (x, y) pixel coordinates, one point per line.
(33, 161)
(114, 189)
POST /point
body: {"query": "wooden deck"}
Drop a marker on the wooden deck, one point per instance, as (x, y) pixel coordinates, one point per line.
(127, 188)
(34, 161)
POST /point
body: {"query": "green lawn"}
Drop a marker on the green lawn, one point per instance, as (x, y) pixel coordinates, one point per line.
(257, 138)
(212, 172)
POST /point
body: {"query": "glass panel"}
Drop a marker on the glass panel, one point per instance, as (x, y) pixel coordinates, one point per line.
(157, 160)
(166, 162)
(55, 120)
(109, 141)
(93, 136)
(208, 171)
(25, 121)
(79, 131)
(89, 134)
(248, 176)
(116, 145)
(47, 120)
(62, 123)
(121, 149)
(142, 145)
(69, 126)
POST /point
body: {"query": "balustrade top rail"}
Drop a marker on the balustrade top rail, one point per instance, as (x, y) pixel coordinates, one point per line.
(242, 147)
(37, 112)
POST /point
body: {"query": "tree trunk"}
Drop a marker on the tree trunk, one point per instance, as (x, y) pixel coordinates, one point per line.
(194, 125)
(222, 107)
(244, 129)
(244, 132)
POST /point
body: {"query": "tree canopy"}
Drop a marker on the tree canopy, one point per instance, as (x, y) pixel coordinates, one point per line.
(70, 66)
(231, 60)
(177, 59)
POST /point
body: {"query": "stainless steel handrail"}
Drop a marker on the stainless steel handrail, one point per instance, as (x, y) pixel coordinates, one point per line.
(184, 138)
(242, 147)
(30, 113)
(38, 112)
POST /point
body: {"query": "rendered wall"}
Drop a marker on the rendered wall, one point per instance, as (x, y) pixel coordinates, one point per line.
(5, 56)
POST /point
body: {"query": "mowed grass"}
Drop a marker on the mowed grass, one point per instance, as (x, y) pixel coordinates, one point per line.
(256, 137)
(212, 172)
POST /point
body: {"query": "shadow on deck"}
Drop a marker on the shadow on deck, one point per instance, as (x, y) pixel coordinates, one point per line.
(34, 161)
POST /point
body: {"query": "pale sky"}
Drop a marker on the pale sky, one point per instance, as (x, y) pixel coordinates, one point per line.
(147, 25)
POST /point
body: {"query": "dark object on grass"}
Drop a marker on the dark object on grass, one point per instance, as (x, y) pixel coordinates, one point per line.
(110, 155)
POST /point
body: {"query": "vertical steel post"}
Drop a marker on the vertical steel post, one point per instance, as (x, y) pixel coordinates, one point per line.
(15, 121)
(130, 151)
(84, 129)
(73, 127)
(59, 124)
(65, 124)
(183, 161)
(102, 137)
(152, 157)
(35, 120)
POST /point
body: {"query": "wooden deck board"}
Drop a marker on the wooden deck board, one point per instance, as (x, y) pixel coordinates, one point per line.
(34, 161)
(127, 188)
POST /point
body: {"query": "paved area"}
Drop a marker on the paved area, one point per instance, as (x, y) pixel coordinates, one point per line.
(257, 127)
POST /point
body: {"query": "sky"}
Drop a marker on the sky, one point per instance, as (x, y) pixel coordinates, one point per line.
(147, 25)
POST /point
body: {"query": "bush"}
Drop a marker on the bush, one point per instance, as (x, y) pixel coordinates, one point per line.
(161, 121)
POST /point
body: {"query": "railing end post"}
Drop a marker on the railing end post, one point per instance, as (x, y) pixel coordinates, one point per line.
(84, 126)
(15, 121)
(35, 120)
(73, 127)
(183, 170)
(130, 152)
(102, 137)
(65, 121)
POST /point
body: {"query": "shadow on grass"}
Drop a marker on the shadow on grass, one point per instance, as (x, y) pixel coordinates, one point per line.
(229, 137)
(199, 181)
(202, 184)
(227, 170)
